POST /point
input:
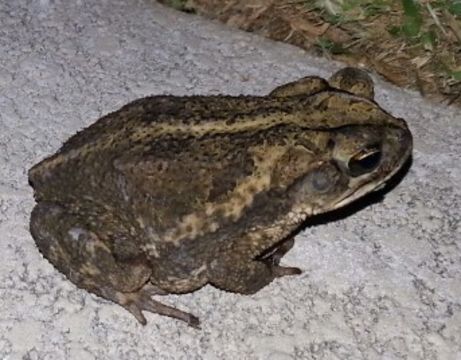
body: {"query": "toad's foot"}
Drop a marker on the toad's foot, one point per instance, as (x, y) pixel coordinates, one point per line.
(273, 256)
(136, 302)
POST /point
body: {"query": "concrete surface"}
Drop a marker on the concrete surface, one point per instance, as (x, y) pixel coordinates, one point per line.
(383, 283)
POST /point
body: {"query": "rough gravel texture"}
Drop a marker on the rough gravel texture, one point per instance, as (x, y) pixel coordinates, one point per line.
(382, 283)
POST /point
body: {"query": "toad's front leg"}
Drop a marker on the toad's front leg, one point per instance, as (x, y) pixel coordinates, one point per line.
(87, 261)
(234, 273)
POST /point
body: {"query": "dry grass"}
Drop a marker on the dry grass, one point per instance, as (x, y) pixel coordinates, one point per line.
(415, 44)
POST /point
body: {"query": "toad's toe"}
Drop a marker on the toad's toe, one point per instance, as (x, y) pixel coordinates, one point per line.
(141, 301)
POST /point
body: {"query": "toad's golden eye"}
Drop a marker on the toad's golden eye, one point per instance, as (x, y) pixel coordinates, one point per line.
(364, 161)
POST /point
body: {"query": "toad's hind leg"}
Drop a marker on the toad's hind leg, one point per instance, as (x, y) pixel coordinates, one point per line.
(87, 261)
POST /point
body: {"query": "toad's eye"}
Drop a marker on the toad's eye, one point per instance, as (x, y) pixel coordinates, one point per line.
(364, 161)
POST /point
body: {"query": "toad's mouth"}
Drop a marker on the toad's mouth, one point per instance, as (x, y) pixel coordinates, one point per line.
(353, 195)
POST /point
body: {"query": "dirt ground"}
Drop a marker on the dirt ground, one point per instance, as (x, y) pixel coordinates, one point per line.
(411, 44)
